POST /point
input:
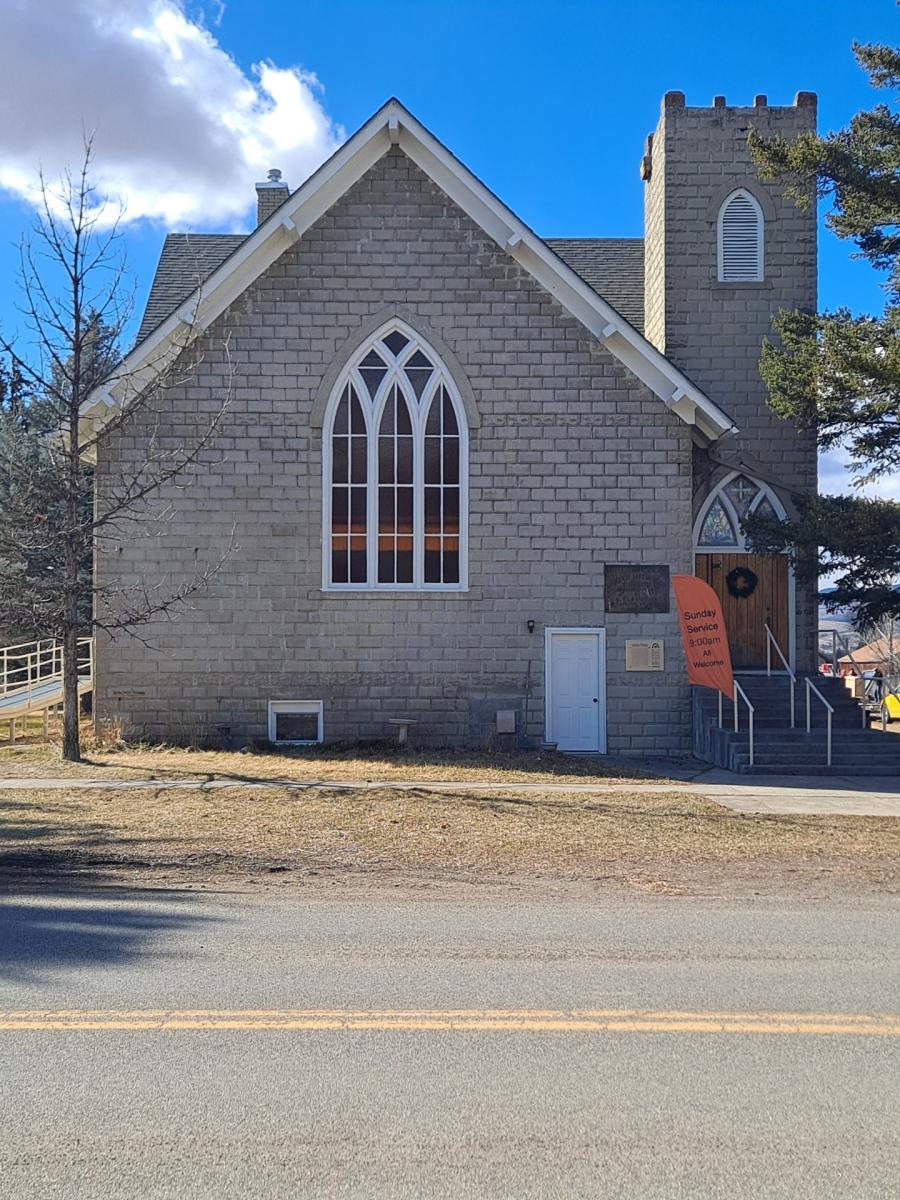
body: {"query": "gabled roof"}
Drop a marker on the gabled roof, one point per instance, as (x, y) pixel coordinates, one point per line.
(393, 125)
(186, 262)
(613, 267)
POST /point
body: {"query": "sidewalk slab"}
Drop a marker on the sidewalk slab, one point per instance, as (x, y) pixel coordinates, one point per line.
(784, 795)
(802, 795)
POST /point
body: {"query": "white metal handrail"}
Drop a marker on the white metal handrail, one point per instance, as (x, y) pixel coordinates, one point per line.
(26, 666)
(770, 642)
(739, 692)
(854, 668)
(834, 649)
(811, 687)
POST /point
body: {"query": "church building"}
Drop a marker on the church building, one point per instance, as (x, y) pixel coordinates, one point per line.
(446, 467)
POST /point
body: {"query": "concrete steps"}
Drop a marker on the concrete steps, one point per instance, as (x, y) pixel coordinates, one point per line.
(779, 749)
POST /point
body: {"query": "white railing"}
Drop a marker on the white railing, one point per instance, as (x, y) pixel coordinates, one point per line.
(770, 642)
(854, 668)
(811, 687)
(86, 658)
(739, 692)
(27, 666)
(834, 649)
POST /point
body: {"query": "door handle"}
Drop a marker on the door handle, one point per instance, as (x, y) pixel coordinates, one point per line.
(595, 700)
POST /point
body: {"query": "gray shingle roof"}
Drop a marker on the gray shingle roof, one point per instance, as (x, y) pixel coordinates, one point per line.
(186, 260)
(613, 267)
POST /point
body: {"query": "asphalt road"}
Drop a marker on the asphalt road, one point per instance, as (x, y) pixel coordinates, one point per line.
(410, 1105)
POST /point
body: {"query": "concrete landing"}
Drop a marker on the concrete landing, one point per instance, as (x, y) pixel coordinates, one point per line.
(800, 795)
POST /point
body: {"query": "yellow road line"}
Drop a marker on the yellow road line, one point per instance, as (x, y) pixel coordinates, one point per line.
(461, 1020)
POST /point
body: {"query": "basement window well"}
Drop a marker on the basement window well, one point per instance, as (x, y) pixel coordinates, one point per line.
(295, 722)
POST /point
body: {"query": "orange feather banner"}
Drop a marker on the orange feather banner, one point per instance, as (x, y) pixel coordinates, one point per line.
(703, 634)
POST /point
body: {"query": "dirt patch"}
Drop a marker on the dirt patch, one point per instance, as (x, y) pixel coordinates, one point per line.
(367, 763)
(664, 843)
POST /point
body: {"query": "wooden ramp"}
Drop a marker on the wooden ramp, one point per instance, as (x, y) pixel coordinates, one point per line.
(31, 679)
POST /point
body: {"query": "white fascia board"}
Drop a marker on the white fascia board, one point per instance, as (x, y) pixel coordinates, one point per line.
(393, 125)
(629, 346)
(253, 257)
(287, 224)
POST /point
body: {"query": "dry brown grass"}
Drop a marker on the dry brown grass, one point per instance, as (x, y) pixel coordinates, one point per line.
(662, 842)
(362, 763)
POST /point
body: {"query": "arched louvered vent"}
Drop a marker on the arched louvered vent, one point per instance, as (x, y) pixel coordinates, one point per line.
(740, 239)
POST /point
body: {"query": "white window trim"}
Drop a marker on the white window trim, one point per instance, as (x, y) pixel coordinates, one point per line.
(296, 706)
(759, 275)
(718, 493)
(418, 411)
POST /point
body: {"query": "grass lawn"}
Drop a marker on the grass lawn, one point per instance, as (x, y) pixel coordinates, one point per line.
(665, 842)
(367, 763)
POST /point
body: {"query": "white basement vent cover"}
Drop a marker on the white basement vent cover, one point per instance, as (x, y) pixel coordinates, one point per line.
(295, 722)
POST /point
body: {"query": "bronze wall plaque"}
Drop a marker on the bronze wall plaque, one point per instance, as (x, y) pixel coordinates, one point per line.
(636, 589)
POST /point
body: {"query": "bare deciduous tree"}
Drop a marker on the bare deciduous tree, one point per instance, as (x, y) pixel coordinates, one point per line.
(76, 305)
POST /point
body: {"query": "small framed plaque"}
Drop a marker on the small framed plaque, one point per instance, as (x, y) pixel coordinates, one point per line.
(636, 589)
(644, 654)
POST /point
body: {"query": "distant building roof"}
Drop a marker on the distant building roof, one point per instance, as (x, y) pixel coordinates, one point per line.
(878, 651)
(613, 267)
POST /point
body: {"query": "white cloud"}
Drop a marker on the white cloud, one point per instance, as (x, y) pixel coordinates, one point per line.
(181, 132)
(835, 479)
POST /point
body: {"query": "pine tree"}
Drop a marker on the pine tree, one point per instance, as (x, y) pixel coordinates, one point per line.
(32, 502)
(838, 373)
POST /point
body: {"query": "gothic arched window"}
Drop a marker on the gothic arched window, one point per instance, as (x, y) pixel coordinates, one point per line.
(718, 525)
(395, 477)
(740, 239)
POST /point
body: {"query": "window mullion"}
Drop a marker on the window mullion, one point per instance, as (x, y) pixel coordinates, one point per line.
(395, 452)
(371, 497)
(418, 497)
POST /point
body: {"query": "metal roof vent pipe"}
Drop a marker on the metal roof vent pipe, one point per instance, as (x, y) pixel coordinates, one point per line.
(270, 195)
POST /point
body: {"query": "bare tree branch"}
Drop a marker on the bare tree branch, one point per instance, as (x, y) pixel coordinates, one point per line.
(76, 301)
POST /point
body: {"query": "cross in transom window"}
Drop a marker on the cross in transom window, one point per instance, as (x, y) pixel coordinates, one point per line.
(743, 491)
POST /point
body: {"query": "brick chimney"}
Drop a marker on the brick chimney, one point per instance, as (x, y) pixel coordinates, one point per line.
(270, 195)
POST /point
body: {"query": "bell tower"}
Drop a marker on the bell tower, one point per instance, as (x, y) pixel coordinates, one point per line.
(703, 197)
(723, 252)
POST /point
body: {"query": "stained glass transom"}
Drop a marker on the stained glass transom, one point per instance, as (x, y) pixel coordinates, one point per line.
(717, 528)
(741, 492)
(730, 505)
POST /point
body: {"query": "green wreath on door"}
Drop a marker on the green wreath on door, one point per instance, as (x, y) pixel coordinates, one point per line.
(741, 582)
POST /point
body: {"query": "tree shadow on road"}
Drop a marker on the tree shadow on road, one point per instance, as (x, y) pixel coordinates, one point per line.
(62, 902)
(63, 931)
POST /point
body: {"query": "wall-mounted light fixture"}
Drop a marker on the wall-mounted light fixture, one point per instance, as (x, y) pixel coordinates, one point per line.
(531, 625)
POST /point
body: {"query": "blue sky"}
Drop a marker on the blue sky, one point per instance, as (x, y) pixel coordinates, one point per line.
(548, 103)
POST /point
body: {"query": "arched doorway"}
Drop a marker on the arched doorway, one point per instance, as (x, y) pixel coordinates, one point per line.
(754, 590)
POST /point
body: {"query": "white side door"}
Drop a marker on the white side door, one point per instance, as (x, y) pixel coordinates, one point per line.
(575, 684)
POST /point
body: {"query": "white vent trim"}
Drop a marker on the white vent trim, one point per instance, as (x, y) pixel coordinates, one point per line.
(314, 708)
(740, 235)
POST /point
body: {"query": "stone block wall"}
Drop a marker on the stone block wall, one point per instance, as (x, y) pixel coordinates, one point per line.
(573, 464)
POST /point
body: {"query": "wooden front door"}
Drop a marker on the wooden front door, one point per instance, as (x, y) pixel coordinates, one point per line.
(756, 605)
